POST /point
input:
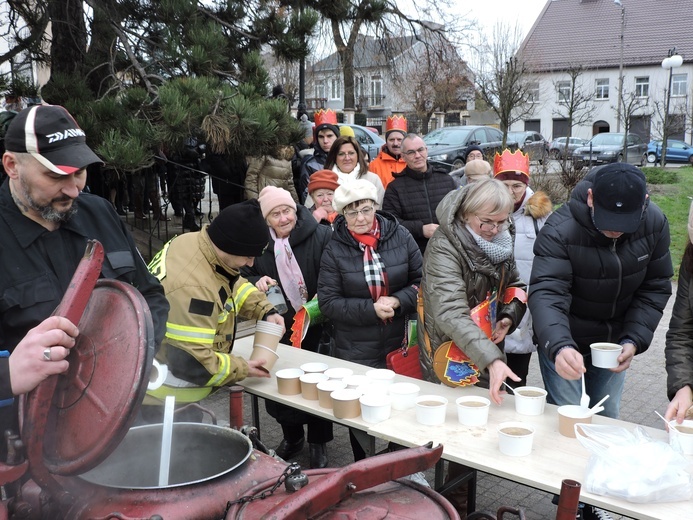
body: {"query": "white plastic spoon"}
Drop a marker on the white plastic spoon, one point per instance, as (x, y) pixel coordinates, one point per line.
(585, 399)
(601, 402)
(512, 390)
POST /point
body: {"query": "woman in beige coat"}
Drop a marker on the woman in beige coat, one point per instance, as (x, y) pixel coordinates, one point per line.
(270, 170)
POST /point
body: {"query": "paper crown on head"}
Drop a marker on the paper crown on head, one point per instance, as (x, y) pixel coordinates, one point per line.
(325, 117)
(396, 124)
(511, 162)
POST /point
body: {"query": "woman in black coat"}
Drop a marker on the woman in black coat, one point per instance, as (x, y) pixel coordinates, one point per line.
(292, 261)
(369, 279)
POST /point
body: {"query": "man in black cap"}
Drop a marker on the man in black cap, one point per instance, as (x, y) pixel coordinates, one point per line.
(201, 277)
(45, 223)
(472, 153)
(601, 273)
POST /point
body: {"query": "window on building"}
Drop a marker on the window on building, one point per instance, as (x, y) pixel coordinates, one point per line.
(533, 92)
(320, 89)
(642, 86)
(563, 89)
(376, 90)
(602, 88)
(679, 84)
(335, 89)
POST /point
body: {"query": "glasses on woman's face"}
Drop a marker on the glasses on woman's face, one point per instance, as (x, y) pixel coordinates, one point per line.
(489, 225)
(352, 214)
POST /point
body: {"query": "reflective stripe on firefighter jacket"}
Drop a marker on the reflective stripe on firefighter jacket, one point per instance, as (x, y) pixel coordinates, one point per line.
(205, 298)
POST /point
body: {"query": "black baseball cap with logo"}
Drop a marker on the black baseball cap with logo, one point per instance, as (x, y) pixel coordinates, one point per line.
(619, 192)
(52, 136)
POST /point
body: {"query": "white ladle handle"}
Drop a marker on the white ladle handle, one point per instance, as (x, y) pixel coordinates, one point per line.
(167, 431)
(601, 402)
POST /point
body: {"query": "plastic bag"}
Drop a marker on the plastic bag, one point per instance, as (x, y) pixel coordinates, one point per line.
(632, 466)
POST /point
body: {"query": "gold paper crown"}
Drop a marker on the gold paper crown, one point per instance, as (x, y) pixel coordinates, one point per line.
(325, 117)
(398, 123)
(511, 162)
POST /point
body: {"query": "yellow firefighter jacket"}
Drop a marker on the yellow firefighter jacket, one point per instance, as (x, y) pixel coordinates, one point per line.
(205, 297)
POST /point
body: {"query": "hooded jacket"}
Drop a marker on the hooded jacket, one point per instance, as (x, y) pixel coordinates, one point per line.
(309, 166)
(586, 287)
(528, 219)
(457, 277)
(269, 170)
(359, 335)
(413, 197)
(308, 240)
(385, 166)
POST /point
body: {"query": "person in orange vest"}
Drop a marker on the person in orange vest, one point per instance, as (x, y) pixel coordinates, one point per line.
(389, 161)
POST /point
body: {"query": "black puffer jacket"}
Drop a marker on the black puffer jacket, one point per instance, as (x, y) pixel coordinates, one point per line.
(309, 166)
(586, 287)
(359, 335)
(308, 240)
(679, 345)
(413, 197)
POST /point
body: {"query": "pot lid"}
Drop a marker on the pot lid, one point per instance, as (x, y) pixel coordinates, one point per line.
(96, 400)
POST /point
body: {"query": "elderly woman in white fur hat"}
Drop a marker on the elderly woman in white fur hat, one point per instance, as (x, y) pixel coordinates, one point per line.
(369, 277)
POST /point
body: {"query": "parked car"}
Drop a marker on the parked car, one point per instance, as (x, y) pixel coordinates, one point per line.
(531, 143)
(608, 147)
(369, 140)
(677, 151)
(557, 148)
(446, 146)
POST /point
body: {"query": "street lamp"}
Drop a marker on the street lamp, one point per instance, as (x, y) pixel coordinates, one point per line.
(620, 67)
(670, 62)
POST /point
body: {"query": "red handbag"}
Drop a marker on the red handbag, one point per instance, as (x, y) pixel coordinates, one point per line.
(405, 360)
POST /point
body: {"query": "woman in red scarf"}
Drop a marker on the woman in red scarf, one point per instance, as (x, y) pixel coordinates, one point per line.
(368, 281)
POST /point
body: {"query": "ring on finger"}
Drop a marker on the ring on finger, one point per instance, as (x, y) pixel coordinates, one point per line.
(47, 354)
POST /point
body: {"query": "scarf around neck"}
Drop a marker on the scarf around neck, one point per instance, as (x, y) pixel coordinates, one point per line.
(373, 267)
(290, 275)
(497, 250)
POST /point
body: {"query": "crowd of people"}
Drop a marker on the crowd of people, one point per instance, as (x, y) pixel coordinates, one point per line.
(501, 276)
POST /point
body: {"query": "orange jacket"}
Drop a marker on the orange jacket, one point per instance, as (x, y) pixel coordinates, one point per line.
(384, 166)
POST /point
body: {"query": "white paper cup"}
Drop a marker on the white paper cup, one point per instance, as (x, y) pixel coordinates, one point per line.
(354, 381)
(381, 376)
(605, 355)
(431, 409)
(681, 436)
(530, 400)
(314, 367)
(288, 382)
(515, 438)
(375, 408)
(338, 372)
(309, 385)
(571, 414)
(472, 410)
(403, 395)
(325, 388)
(345, 403)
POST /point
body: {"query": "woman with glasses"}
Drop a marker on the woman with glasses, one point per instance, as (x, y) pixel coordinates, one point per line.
(292, 261)
(469, 261)
(347, 160)
(529, 215)
(369, 278)
(469, 277)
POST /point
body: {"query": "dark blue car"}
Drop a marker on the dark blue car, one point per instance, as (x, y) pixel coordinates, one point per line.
(677, 151)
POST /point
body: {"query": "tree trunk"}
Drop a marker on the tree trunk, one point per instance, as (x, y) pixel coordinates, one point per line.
(69, 43)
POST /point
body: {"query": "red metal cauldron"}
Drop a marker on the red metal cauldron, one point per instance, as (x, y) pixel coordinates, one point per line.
(84, 461)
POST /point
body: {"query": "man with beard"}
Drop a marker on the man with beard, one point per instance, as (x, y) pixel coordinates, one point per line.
(390, 161)
(45, 223)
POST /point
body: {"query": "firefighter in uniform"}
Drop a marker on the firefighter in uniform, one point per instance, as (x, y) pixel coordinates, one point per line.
(200, 274)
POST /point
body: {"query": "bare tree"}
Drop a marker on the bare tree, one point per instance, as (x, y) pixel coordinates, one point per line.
(504, 82)
(630, 104)
(576, 106)
(668, 125)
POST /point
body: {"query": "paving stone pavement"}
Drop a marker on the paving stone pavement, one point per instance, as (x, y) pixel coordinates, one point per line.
(644, 392)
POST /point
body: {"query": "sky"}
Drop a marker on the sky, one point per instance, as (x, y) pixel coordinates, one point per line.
(488, 12)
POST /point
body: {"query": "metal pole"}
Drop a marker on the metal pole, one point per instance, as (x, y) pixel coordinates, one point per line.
(620, 72)
(665, 130)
